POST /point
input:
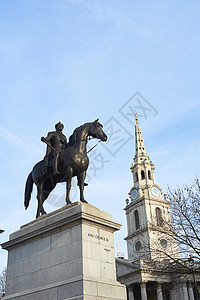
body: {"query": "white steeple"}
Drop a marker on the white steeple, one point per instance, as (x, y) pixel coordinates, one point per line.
(143, 168)
(147, 211)
(140, 151)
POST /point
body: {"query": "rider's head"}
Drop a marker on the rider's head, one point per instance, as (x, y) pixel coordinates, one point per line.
(59, 126)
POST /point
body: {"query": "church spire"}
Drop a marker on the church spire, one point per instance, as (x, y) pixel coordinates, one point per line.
(142, 169)
(140, 151)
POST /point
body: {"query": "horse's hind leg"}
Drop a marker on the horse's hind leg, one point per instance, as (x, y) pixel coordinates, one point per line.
(40, 202)
(68, 188)
(44, 197)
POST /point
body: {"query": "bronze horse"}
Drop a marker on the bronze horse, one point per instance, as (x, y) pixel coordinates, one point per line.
(74, 162)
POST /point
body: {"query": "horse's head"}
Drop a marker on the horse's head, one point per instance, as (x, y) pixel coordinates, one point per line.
(96, 131)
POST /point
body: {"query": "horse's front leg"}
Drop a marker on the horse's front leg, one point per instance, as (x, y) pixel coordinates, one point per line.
(38, 211)
(81, 180)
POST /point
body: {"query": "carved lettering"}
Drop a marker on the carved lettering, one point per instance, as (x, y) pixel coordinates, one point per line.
(98, 237)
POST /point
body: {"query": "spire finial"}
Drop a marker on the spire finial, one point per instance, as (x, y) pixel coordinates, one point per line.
(135, 115)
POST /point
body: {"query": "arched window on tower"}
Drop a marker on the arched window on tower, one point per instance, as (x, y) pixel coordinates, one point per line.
(136, 176)
(137, 220)
(159, 219)
(149, 175)
(142, 174)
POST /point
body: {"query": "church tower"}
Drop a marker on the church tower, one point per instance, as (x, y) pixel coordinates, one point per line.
(147, 211)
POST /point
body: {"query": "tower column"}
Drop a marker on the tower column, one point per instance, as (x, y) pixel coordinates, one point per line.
(130, 293)
(173, 294)
(190, 291)
(143, 291)
(159, 292)
(185, 291)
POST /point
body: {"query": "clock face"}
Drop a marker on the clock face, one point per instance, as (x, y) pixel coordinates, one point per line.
(134, 194)
(163, 243)
(155, 191)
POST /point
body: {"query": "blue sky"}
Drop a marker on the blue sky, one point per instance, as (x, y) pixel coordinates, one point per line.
(75, 61)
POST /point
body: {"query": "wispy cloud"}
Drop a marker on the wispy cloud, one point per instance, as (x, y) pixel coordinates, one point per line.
(14, 138)
(106, 13)
(99, 11)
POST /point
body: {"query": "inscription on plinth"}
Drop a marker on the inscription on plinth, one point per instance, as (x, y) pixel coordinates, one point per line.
(97, 237)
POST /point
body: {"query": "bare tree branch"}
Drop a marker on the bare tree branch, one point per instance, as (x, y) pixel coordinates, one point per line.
(2, 283)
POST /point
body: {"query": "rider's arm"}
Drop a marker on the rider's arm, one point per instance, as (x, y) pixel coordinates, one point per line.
(48, 138)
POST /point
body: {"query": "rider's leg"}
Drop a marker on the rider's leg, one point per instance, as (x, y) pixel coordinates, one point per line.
(46, 162)
(55, 164)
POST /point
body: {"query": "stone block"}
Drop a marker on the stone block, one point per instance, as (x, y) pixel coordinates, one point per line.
(66, 270)
(50, 294)
(91, 267)
(40, 245)
(22, 283)
(90, 288)
(87, 249)
(119, 292)
(71, 252)
(87, 297)
(61, 238)
(41, 278)
(70, 290)
(105, 290)
(23, 251)
(18, 269)
(50, 258)
(12, 256)
(107, 271)
(31, 264)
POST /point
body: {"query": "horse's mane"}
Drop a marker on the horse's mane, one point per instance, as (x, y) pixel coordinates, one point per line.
(73, 137)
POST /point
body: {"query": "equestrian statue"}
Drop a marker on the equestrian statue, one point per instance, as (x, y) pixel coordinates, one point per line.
(62, 162)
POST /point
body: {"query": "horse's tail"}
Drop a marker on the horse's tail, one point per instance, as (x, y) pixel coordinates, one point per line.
(28, 190)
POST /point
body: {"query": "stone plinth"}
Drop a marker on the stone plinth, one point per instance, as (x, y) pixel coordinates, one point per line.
(67, 254)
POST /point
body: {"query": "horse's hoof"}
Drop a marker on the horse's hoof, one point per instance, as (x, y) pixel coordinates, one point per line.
(84, 201)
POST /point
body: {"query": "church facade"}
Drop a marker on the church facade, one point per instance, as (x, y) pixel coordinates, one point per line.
(153, 270)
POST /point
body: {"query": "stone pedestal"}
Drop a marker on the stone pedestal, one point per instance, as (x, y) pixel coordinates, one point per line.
(67, 254)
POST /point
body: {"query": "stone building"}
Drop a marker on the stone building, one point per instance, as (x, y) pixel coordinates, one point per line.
(153, 269)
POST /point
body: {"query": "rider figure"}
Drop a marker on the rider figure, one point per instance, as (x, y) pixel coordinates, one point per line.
(58, 141)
